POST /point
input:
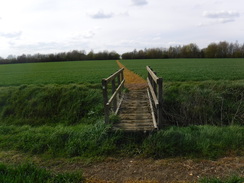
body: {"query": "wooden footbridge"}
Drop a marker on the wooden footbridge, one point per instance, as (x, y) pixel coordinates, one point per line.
(137, 110)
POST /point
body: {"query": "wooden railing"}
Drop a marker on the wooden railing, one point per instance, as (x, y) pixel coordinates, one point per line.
(113, 103)
(155, 93)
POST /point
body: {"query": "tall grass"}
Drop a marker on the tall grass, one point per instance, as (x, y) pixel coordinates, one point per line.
(195, 141)
(50, 104)
(29, 173)
(185, 103)
(232, 179)
(64, 141)
(91, 141)
(200, 103)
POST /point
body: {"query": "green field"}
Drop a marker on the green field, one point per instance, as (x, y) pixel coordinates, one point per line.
(56, 72)
(94, 71)
(190, 69)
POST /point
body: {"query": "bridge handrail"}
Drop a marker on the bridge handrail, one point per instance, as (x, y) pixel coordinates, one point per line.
(116, 99)
(155, 85)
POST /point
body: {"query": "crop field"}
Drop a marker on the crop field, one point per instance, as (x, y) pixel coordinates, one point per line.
(94, 71)
(190, 69)
(56, 72)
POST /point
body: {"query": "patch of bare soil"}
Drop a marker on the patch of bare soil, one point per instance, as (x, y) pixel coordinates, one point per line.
(164, 170)
(137, 170)
(132, 80)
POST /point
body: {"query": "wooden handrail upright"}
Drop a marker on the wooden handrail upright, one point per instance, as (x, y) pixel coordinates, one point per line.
(105, 100)
(116, 93)
(160, 105)
(156, 95)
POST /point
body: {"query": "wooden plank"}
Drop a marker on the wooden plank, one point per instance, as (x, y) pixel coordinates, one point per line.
(135, 129)
(114, 75)
(153, 75)
(152, 92)
(115, 93)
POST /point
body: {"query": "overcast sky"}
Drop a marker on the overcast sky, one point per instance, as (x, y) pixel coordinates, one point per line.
(51, 26)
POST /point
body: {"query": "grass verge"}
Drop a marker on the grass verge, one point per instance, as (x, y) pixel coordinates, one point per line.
(92, 141)
(28, 173)
(232, 179)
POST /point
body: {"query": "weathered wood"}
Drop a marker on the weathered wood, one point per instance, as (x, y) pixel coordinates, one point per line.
(105, 100)
(113, 97)
(116, 93)
(155, 99)
(119, 81)
(156, 91)
(152, 110)
(119, 104)
(153, 75)
(110, 78)
(160, 105)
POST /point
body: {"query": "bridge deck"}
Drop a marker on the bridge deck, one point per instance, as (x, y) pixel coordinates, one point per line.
(135, 112)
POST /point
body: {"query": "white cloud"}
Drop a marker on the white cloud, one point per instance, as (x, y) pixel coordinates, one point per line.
(221, 14)
(139, 2)
(11, 35)
(219, 17)
(83, 35)
(101, 15)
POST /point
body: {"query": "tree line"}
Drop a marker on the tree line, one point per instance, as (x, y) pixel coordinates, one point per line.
(222, 49)
(214, 50)
(74, 55)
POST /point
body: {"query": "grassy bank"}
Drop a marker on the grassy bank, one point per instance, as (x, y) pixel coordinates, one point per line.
(29, 173)
(97, 140)
(206, 102)
(50, 104)
(185, 103)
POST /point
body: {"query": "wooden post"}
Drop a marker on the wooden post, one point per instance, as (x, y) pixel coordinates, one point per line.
(160, 101)
(105, 100)
(119, 81)
(115, 100)
(122, 78)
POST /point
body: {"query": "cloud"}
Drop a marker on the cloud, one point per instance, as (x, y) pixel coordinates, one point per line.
(12, 35)
(139, 2)
(221, 14)
(84, 34)
(101, 15)
(88, 34)
(219, 17)
(48, 47)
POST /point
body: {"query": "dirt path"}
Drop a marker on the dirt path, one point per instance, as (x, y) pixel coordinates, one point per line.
(136, 170)
(132, 80)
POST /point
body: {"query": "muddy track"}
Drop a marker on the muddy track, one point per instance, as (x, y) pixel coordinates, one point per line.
(135, 170)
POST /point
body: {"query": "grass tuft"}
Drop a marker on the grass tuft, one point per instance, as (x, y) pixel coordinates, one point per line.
(28, 173)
